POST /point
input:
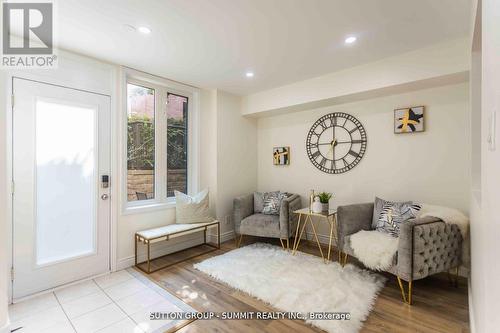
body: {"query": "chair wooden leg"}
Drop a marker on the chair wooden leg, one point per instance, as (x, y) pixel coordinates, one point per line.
(406, 299)
(282, 245)
(288, 243)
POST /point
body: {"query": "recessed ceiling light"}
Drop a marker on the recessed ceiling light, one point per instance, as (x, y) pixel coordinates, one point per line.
(350, 40)
(144, 30)
(249, 74)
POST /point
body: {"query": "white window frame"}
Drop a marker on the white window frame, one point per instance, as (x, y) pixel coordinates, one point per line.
(161, 88)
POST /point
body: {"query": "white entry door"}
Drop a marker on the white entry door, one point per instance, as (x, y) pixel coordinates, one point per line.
(61, 210)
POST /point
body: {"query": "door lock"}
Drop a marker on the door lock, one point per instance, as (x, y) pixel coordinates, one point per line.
(104, 197)
(104, 181)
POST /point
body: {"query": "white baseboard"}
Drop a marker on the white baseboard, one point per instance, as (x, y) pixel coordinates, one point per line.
(323, 239)
(228, 235)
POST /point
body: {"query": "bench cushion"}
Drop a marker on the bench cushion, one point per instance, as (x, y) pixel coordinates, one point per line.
(177, 229)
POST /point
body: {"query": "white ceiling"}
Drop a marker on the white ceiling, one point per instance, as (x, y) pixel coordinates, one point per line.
(212, 43)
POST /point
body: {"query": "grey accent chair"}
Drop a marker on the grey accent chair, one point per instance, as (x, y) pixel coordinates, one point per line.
(426, 245)
(247, 222)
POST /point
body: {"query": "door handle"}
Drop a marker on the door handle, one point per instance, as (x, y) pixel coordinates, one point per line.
(104, 197)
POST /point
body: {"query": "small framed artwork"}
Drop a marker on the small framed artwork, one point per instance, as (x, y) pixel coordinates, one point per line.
(409, 120)
(281, 155)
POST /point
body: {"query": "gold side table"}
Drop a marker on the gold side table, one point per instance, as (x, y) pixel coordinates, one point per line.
(306, 215)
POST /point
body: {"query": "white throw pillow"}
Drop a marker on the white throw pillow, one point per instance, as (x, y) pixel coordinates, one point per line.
(192, 209)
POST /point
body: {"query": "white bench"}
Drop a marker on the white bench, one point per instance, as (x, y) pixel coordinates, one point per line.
(150, 236)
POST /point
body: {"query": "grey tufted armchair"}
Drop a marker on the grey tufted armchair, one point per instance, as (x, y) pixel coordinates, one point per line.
(426, 245)
(248, 222)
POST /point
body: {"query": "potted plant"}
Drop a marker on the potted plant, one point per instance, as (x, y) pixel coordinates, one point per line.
(324, 198)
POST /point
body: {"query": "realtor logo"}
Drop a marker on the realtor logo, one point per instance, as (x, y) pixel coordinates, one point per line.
(28, 35)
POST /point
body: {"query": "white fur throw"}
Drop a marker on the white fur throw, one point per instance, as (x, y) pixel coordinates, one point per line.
(448, 215)
(374, 249)
(451, 216)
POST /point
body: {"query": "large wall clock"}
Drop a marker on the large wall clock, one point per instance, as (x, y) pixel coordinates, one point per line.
(336, 143)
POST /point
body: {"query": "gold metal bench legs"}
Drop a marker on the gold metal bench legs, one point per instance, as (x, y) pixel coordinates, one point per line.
(406, 299)
(147, 242)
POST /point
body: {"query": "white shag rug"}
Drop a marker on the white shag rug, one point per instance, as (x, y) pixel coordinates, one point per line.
(374, 249)
(300, 283)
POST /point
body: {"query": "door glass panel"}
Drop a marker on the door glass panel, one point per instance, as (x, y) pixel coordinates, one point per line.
(177, 135)
(140, 143)
(65, 181)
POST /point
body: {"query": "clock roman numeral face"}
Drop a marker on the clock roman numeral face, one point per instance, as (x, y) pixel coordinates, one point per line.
(336, 143)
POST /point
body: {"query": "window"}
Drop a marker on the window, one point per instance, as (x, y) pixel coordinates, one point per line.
(159, 154)
(140, 143)
(177, 131)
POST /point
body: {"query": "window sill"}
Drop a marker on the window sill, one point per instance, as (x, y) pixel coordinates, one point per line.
(148, 207)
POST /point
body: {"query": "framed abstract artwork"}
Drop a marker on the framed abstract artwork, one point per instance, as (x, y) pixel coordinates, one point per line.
(281, 155)
(409, 120)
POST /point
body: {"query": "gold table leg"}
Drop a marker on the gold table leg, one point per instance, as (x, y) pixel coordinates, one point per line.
(300, 236)
(331, 235)
(316, 236)
(296, 233)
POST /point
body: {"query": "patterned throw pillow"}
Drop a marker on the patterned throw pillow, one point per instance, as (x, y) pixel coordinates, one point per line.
(393, 214)
(377, 208)
(272, 202)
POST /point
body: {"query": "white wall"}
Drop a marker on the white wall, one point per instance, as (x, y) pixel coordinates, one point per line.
(208, 149)
(477, 285)
(431, 167)
(236, 156)
(485, 226)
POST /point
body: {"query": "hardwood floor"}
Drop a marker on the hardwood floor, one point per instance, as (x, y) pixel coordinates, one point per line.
(437, 306)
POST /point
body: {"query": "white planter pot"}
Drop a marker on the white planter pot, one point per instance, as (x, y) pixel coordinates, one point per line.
(317, 207)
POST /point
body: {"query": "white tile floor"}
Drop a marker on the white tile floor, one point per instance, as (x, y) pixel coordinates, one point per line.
(119, 302)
